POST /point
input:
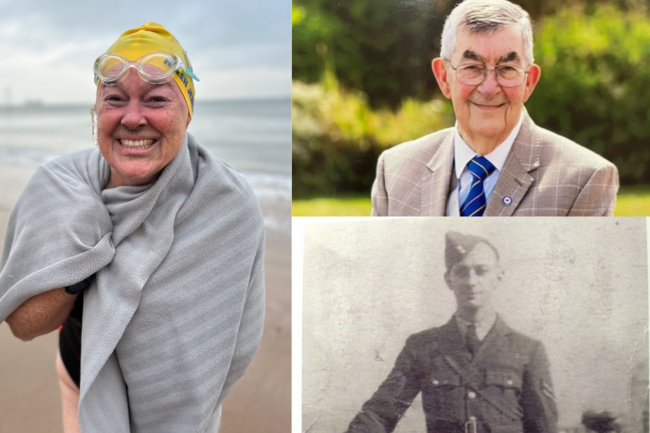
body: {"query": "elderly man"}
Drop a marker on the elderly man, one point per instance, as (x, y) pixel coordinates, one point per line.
(476, 374)
(495, 161)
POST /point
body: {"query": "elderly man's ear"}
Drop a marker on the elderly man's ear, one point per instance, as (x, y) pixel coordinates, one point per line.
(532, 78)
(439, 69)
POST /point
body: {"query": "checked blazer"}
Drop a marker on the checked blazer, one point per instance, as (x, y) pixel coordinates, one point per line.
(505, 388)
(544, 175)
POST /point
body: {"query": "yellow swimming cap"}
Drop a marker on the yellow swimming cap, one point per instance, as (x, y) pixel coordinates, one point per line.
(135, 43)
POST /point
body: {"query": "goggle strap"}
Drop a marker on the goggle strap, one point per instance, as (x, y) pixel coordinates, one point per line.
(188, 71)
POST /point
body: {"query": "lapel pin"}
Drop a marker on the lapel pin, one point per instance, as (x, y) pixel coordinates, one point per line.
(507, 200)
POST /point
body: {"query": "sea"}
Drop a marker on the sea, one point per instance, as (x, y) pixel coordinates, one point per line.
(252, 136)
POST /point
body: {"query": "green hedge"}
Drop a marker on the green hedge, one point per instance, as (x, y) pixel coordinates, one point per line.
(595, 85)
(337, 137)
(383, 47)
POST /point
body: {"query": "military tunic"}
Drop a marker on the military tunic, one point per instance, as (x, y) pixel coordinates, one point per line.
(505, 388)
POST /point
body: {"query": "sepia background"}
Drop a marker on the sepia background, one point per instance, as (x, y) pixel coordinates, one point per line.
(578, 285)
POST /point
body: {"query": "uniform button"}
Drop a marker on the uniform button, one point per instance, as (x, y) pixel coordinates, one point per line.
(471, 395)
(509, 382)
(435, 382)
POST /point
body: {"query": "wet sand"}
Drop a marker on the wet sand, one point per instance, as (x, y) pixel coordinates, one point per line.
(259, 402)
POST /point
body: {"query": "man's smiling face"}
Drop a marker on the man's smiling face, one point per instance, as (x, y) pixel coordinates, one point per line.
(487, 110)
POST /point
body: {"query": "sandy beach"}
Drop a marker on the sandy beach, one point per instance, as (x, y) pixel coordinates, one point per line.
(260, 402)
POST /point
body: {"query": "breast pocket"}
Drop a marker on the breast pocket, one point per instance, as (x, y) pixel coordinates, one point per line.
(443, 377)
(504, 390)
(442, 395)
(507, 380)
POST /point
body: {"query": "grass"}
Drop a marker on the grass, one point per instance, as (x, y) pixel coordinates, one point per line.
(631, 201)
(352, 205)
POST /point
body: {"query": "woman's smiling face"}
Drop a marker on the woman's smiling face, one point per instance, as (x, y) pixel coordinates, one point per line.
(140, 128)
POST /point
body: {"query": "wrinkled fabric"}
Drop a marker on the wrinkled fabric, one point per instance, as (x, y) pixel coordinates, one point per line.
(176, 309)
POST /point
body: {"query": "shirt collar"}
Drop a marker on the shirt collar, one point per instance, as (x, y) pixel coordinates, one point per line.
(482, 326)
(463, 153)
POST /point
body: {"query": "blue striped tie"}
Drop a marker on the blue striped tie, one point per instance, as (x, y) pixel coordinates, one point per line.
(475, 202)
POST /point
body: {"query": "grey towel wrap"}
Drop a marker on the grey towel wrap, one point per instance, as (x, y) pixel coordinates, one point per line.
(176, 310)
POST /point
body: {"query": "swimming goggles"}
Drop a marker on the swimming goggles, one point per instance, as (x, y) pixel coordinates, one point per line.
(157, 67)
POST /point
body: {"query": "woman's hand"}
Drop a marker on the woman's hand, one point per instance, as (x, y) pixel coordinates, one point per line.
(41, 314)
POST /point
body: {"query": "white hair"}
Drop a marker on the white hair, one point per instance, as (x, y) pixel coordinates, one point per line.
(486, 16)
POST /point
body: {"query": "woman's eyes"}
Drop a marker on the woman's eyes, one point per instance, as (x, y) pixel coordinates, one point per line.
(151, 99)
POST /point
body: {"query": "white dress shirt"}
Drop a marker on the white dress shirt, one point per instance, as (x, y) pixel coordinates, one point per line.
(462, 181)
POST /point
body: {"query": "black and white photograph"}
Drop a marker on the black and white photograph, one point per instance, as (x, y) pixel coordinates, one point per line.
(526, 325)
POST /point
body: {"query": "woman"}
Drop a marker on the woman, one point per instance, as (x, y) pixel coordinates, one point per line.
(162, 243)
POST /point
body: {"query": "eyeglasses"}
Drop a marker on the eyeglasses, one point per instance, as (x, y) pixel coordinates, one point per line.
(157, 67)
(473, 74)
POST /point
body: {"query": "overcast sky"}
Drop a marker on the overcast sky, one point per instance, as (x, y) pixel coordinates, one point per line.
(238, 48)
